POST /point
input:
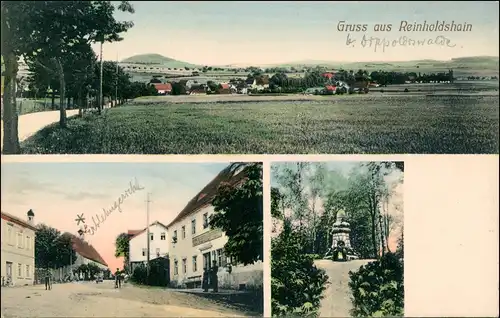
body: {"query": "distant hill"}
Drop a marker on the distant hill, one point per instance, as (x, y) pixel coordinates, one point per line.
(157, 60)
(486, 65)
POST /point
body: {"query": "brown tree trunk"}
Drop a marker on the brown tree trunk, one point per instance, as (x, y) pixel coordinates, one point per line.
(62, 91)
(10, 115)
(53, 100)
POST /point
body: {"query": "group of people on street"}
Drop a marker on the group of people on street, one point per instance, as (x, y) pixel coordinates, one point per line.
(210, 279)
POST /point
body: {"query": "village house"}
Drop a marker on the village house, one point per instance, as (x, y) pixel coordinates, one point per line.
(330, 90)
(138, 244)
(198, 89)
(187, 83)
(328, 75)
(224, 88)
(251, 82)
(163, 88)
(194, 244)
(18, 249)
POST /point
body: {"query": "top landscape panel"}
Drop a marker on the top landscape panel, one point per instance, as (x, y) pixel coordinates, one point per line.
(377, 84)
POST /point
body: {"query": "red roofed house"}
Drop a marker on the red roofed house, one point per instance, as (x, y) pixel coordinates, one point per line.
(330, 89)
(328, 75)
(138, 243)
(224, 89)
(163, 89)
(194, 245)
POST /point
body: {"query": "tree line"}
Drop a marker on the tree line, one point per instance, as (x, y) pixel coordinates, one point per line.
(54, 39)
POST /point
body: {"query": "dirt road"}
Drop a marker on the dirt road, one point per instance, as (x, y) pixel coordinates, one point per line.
(102, 300)
(337, 296)
(31, 123)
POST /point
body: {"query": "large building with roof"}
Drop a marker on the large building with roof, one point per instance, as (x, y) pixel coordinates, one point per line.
(18, 249)
(138, 241)
(195, 245)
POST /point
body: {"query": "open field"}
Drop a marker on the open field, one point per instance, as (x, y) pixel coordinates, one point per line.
(335, 124)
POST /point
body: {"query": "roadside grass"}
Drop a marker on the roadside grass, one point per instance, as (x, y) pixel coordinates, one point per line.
(357, 124)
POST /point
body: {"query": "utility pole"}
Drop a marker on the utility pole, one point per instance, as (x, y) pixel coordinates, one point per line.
(148, 239)
(100, 80)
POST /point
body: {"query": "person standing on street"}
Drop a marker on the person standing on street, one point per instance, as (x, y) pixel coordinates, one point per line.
(204, 283)
(118, 281)
(48, 280)
(214, 279)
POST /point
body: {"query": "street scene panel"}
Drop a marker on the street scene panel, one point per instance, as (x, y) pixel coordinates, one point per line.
(337, 239)
(340, 85)
(132, 239)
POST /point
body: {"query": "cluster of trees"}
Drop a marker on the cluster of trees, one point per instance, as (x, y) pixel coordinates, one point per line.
(307, 198)
(54, 39)
(52, 249)
(388, 78)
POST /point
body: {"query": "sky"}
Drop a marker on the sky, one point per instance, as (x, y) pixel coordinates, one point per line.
(58, 192)
(221, 33)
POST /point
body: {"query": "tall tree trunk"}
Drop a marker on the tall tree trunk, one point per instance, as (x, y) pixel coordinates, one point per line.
(62, 91)
(10, 115)
(382, 244)
(53, 100)
(68, 103)
(374, 235)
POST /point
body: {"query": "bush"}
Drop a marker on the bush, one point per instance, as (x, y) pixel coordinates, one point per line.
(297, 284)
(378, 288)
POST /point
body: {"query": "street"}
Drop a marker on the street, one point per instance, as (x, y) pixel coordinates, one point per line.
(29, 124)
(337, 296)
(89, 299)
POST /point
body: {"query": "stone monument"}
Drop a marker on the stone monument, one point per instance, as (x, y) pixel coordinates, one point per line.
(341, 249)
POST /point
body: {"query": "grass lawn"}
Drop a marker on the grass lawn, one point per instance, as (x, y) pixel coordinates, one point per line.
(337, 125)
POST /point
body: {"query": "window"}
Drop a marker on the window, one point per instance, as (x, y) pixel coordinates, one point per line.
(19, 270)
(27, 242)
(162, 236)
(184, 265)
(193, 226)
(20, 240)
(205, 220)
(176, 269)
(183, 232)
(195, 265)
(157, 251)
(27, 271)
(144, 251)
(221, 260)
(9, 234)
(151, 236)
(174, 238)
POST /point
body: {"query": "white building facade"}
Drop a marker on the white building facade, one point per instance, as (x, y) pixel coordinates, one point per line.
(18, 249)
(194, 245)
(158, 244)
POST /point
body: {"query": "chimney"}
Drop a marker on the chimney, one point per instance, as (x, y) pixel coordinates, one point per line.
(31, 217)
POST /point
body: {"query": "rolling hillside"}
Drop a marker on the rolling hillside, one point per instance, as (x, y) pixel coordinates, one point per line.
(477, 65)
(157, 60)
